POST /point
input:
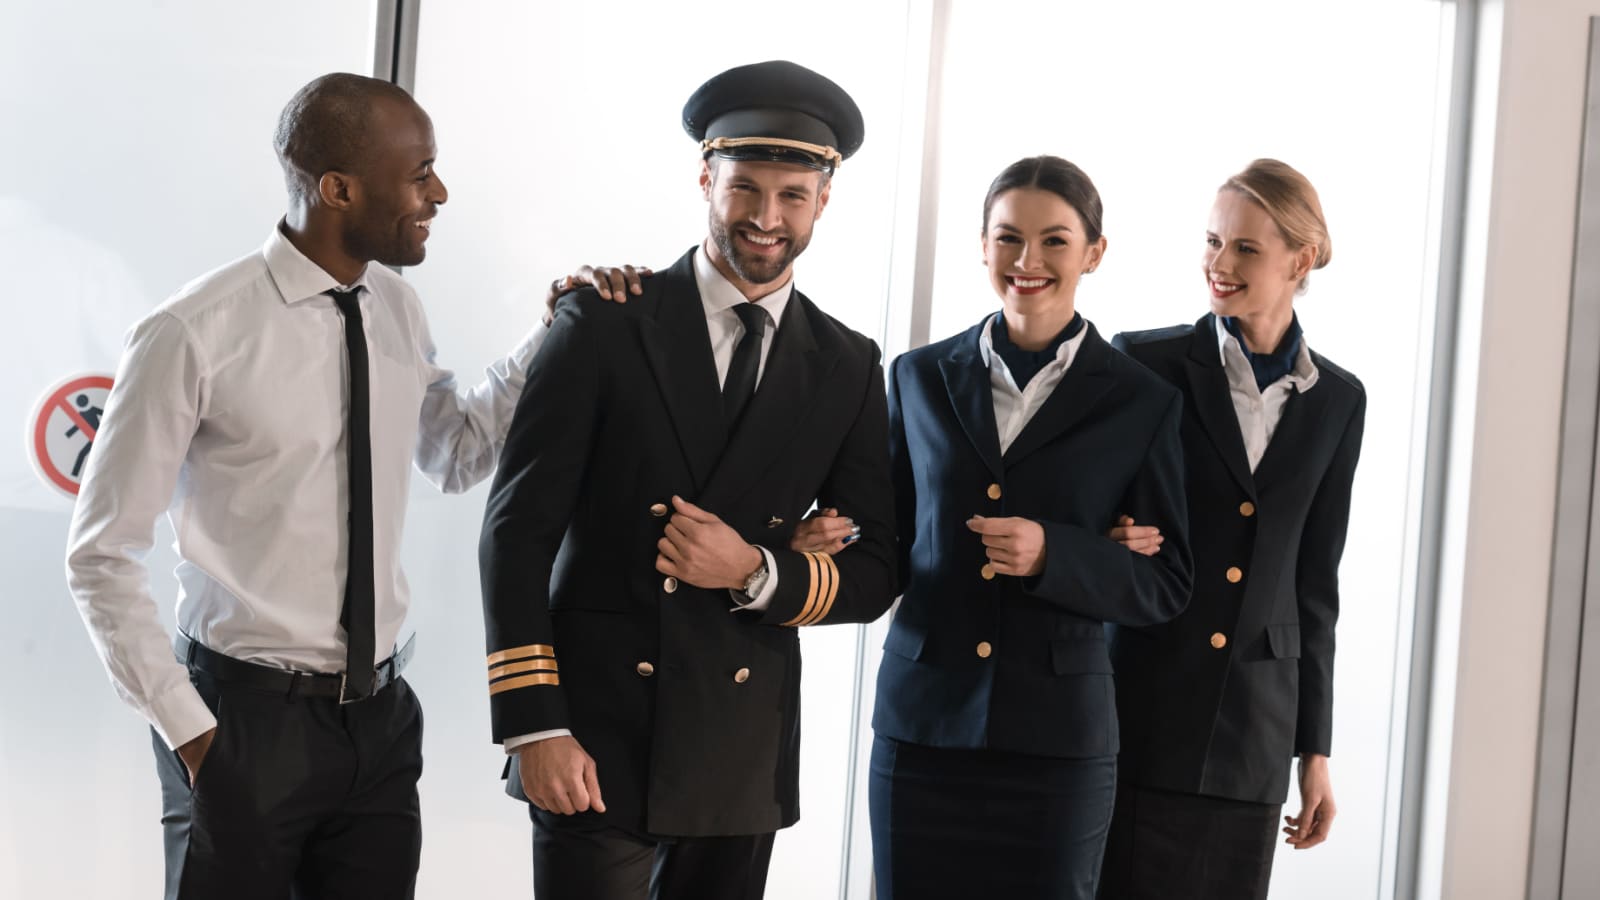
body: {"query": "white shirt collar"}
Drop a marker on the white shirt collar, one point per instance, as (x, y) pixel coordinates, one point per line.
(296, 276)
(1302, 377)
(718, 294)
(1064, 354)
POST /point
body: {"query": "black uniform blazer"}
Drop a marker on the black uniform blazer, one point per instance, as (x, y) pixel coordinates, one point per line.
(690, 710)
(1217, 701)
(975, 660)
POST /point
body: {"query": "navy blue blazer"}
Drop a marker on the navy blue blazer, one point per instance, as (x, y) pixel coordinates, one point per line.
(975, 660)
(1216, 701)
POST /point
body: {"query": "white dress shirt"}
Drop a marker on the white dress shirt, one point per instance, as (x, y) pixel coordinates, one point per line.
(229, 413)
(1014, 408)
(1259, 411)
(719, 297)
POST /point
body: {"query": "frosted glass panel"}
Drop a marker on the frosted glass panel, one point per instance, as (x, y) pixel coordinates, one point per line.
(138, 151)
(560, 139)
(1159, 103)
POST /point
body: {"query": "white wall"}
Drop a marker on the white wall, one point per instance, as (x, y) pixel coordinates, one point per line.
(1525, 266)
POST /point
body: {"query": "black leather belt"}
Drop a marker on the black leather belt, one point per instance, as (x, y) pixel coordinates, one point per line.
(285, 681)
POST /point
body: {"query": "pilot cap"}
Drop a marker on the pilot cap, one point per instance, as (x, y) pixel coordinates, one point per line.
(775, 111)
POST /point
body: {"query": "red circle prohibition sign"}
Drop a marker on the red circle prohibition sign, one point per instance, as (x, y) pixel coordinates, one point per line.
(59, 400)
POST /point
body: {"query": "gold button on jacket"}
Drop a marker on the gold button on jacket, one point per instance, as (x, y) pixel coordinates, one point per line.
(1235, 574)
(670, 584)
(987, 572)
(1247, 509)
(994, 492)
(658, 509)
(645, 669)
(741, 676)
(984, 649)
(1219, 640)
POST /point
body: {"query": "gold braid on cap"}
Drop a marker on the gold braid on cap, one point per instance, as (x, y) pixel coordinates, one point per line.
(828, 154)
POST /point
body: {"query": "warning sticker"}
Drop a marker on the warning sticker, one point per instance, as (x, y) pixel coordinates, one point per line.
(62, 428)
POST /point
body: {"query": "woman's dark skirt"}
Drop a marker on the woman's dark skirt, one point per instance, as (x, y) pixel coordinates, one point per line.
(982, 823)
(1166, 845)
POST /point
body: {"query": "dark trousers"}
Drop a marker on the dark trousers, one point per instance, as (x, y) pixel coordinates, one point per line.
(986, 823)
(581, 858)
(1165, 844)
(297, 798)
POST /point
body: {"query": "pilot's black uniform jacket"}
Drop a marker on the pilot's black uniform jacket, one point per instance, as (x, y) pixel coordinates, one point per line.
(690, 708)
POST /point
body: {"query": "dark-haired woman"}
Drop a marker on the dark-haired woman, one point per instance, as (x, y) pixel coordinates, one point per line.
(1215, 703)
(1016, 445)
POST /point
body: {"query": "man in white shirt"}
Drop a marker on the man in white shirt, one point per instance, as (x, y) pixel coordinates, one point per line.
(276, 405)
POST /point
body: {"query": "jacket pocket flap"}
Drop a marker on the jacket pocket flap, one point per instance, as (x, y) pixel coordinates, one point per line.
(1284, 640)
(1079, 656)
(904, 642)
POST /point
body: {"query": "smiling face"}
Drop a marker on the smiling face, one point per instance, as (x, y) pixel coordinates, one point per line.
(1249, 267)
(1036, 248)
(761, 216)
(395, 193)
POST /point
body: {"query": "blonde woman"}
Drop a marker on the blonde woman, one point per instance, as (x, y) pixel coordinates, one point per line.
(1214, 704)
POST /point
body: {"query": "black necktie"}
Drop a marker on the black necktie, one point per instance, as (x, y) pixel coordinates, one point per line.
(740, 384)
(358, 616)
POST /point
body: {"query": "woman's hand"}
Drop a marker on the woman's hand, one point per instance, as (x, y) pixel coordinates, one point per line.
(824, 531)
(1145, 539)
(1015, 545)
(1310, 828)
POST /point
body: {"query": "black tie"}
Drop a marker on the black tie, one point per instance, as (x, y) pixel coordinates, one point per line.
(740, 385)
(358, 616)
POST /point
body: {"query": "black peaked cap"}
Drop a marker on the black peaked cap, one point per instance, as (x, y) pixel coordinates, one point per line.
(781, 101)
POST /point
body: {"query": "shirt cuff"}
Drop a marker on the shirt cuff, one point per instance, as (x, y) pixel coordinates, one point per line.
(764, 590)
(180, 715)
(522, 740)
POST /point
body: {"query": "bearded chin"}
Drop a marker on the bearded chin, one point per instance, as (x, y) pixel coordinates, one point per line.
(754, 270)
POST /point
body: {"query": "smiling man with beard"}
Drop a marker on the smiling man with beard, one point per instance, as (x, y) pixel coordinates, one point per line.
(278, 404)
(642, 604)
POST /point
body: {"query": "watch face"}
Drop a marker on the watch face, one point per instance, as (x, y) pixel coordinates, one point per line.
(756, 578)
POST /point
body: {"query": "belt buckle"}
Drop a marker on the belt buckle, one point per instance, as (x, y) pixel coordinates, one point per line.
(344, 683)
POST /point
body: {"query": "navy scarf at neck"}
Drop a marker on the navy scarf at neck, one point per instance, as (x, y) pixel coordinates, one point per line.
(1024, 364)
(1269, 367)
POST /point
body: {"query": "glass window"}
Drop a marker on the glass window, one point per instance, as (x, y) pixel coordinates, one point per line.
(562, 144)
(1159, 103)
(139, 155)
(147, 160)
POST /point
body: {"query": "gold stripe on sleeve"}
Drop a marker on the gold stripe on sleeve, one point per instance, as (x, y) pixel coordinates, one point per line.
(524, 651)
(527, 665)
(811, 596)
(522, 681)
(831, 589)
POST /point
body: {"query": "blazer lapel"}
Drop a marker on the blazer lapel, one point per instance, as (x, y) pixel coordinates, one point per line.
(783, 401)
(678, 348)
(966, 379)
(1303, 414)
(1213, 404)
(1084, 383)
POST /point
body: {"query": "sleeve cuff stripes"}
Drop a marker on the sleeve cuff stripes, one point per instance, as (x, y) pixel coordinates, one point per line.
(520, 667)
(823, 589)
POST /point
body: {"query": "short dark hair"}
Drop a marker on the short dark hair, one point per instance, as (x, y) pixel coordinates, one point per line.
(1059, 177)
(324, 127)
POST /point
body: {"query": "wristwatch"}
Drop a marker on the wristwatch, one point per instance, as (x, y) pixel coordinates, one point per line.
(757, 579)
